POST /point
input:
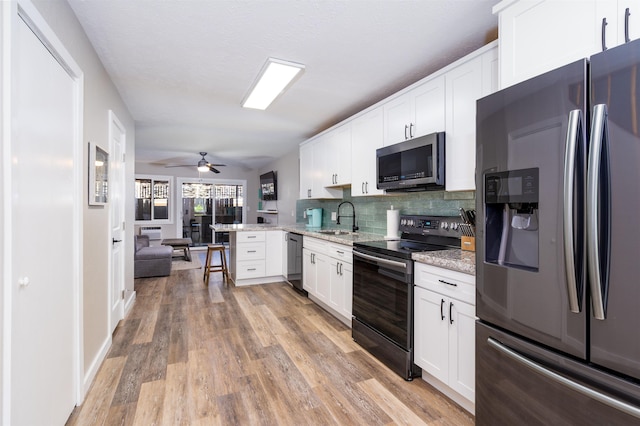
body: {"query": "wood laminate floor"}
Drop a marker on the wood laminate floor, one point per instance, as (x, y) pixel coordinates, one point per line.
(188, 354)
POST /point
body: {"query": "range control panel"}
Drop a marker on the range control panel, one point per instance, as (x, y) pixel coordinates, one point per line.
(446, 226)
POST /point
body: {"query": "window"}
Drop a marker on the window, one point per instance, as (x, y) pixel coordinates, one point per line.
(152, 199)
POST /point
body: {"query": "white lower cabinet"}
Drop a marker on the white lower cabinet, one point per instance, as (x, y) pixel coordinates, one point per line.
(327, 274)
(256, 257)
(444, 336)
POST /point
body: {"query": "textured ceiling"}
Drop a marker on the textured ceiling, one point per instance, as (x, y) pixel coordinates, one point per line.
(183, 66)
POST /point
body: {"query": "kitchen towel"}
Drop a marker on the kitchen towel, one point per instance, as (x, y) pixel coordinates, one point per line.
(393, 224)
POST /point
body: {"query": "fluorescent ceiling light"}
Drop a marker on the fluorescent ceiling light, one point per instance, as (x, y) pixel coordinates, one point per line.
(274, 78)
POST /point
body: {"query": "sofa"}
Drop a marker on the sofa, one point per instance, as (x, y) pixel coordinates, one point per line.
(151, 261)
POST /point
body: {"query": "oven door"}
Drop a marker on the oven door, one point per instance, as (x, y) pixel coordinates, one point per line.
(383, 295)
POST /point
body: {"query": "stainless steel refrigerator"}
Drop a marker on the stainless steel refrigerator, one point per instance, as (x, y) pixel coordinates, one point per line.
(558, 246)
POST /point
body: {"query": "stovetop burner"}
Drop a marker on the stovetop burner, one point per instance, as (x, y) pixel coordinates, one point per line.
(419, 234)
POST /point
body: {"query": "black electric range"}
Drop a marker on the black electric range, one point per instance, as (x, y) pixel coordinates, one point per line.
(383, 288)
(419, 233)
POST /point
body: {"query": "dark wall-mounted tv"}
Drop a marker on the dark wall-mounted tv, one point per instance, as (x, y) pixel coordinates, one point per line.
(269, 186)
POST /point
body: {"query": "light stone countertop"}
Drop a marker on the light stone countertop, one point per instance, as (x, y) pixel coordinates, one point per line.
(347, 239)
(454, 259)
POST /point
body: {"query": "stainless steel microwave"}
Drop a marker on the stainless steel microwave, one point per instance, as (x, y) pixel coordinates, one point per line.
(413, 165)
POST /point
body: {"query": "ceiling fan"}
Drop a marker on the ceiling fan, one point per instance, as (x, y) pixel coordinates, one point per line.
(203, 165)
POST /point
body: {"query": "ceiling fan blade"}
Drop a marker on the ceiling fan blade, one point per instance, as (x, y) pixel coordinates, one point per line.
(217, 165)
(213, 169)
(179, 165)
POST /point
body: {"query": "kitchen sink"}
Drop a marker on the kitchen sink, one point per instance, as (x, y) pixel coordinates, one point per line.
(334, 232)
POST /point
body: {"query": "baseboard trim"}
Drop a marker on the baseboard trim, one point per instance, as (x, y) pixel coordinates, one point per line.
(90, 375)
(128, 304)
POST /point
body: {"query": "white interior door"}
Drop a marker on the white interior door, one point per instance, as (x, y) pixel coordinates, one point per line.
(44, 243)
(116, 205)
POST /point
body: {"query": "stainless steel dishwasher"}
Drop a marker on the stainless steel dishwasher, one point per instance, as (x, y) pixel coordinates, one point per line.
(294, 261)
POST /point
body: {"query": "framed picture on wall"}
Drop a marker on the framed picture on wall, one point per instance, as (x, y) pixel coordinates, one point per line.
(98, 175)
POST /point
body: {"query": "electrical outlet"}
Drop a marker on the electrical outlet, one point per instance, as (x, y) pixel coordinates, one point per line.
(334, 216)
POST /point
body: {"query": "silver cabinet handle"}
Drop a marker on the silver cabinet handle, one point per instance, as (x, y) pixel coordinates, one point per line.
(450, 316)
(405, 132)
(363, 187)
(341, 269)
(411, 130)
(574, 131)
(366, 185)
(603, 34)
(251, 251)
(626, 25)
(441, 309)
(251, 269)
(551, 375)
(598, 143)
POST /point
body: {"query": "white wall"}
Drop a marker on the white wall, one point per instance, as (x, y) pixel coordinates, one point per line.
(100, 95)
(287, 169)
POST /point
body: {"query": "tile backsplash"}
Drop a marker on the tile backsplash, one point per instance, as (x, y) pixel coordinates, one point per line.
(371, 212)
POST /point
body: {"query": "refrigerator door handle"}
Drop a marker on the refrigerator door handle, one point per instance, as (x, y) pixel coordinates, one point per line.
(597, 144)
(574, 131)
(575, 386)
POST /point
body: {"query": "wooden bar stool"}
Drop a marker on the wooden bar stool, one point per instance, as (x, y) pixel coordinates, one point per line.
(222, 267)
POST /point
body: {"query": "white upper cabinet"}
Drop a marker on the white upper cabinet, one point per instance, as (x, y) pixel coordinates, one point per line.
(417, 112)
(338, 156)
(465, 84)
(537, 36)
(306, 170)
(314, 170)
(366, 138)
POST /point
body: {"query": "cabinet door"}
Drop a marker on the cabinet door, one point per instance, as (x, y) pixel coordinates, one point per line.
(538, 36)
(431, 333)
(462, 349)
(309, 275)
(464, 88)
(321, 171)
(347, 289)
(323, 277)
(306, 171)
(366, 137)
(335, 297)
(339, 156)
(274, 253)
(398, 117)
(429, 106)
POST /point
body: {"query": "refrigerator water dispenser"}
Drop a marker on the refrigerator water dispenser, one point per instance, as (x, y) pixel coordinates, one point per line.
(511, 219)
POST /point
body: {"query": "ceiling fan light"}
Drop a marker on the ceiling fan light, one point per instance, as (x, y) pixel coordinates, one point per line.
(203, 166)
(274, 78)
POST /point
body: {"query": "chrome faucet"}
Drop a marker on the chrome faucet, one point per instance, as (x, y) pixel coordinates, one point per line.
(355, 226)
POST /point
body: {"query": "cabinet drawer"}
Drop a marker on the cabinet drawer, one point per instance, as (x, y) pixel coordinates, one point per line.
(315, 244)
(453, 284)
(250, 269)
(249, 251)
(340, 251)
(250, 237)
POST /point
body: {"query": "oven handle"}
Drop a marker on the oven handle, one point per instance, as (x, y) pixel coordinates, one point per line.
(380, 260)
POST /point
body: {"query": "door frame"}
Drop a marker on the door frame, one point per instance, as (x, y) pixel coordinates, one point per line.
(114, 123)
(12, 11)
(178, 197)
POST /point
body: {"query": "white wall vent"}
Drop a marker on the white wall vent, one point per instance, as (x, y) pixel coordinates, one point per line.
(154, 232)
